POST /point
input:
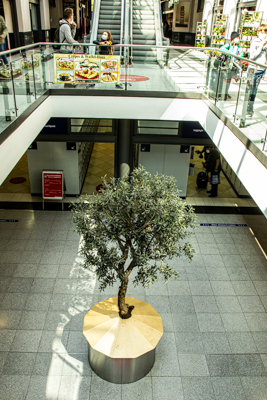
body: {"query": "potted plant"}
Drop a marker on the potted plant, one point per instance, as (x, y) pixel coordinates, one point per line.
(137, 224)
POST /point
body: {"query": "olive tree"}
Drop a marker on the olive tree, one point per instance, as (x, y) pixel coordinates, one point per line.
(139, 223)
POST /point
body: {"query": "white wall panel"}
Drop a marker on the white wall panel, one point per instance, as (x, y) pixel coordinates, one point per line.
(13, 148)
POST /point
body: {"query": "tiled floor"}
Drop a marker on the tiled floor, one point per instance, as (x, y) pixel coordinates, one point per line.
(214, 345)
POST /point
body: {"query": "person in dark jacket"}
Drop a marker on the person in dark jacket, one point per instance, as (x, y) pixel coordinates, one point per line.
(213, 166)
(3, 33)
(106, 47)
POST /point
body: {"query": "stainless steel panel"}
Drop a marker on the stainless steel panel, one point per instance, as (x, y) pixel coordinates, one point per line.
(120, 370)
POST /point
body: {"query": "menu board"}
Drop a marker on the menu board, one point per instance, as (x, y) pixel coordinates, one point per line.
(52, 185)
(24, 70)
(83, 68)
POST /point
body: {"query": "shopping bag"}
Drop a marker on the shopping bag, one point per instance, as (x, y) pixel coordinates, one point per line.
(215, 179)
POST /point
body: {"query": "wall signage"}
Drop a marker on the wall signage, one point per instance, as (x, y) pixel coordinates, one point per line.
(85, 68)
(9, 220)
(52, 184)
(56, 126)
(222, 224)
(27, 69)
(193, 129)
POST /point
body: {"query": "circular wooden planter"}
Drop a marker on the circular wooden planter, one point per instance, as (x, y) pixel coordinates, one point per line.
(122, 350)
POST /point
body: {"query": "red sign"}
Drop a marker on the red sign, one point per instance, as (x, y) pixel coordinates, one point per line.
(53, 185)
(133, 78)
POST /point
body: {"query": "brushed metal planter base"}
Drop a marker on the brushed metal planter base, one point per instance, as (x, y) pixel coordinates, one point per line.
(120, 370)
(122, 350)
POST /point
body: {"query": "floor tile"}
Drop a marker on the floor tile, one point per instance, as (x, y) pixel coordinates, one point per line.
(244, 288)
(76, 364)
(241, 342)
(254, 387)
(210, 322)
(14, 387)
(228, 388)
(198, 388)
(215, 343)
(73, 386)
(256, 321)
(43, 387)
(19, 363)
(234, 322)
(32, 320)
(193, 365)
(228, 304)
(167, 387)
(189, 342)
(26, 341)
(48, 364)
(222, 288)
(54, 342)
(14, 301)
(260, 339)
(205, 304)
(102, 390)
(6, 339)
(235, 365)
(251, 304)
(185, 322)
(200, 288)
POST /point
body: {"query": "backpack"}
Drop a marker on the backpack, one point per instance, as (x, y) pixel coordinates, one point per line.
(56, 39)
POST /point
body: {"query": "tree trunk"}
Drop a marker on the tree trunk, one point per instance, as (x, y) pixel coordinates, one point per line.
(125, 311)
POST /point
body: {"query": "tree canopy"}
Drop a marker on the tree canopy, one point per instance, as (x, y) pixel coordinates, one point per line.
(137, 222)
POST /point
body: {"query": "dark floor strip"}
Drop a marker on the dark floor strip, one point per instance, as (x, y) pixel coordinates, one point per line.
(13, 205)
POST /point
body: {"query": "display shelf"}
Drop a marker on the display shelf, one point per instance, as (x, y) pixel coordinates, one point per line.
(201, 34)
(218, 30)
(249, 24)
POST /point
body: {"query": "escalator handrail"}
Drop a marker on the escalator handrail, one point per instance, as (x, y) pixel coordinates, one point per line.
(130, 29)
(122, 35)
(157, 14)
(95, 20)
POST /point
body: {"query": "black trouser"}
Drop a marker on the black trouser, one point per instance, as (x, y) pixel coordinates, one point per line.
(214, 190)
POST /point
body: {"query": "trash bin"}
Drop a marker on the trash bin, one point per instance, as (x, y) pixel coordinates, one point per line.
(191, 169)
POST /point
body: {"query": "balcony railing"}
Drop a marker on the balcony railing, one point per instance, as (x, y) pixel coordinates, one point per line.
(229, 85)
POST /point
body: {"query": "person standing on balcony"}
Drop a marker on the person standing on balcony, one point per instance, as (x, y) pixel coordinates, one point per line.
(258, 52)
(3, 34)
(67, 31)
(105, 44)
(233, 48)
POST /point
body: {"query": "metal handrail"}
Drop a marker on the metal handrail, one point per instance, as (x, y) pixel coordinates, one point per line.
(157, 13)
(122, 24)
(201, 49)
(94, 29)
(130, 30)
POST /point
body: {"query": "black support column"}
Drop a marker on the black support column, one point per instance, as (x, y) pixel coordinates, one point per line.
(124, 146)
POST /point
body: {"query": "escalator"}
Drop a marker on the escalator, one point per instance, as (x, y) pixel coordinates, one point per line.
(110, 20)
(136, 22)
(144, 30)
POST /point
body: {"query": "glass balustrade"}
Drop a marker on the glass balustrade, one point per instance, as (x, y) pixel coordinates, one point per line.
(230, 85)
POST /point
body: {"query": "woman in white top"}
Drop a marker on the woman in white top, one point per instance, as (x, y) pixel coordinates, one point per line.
(258, 52)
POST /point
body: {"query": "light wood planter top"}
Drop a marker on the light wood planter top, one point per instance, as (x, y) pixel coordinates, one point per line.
(114, 337)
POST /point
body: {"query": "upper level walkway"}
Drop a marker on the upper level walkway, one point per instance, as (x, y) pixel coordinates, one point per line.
(182, 90)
